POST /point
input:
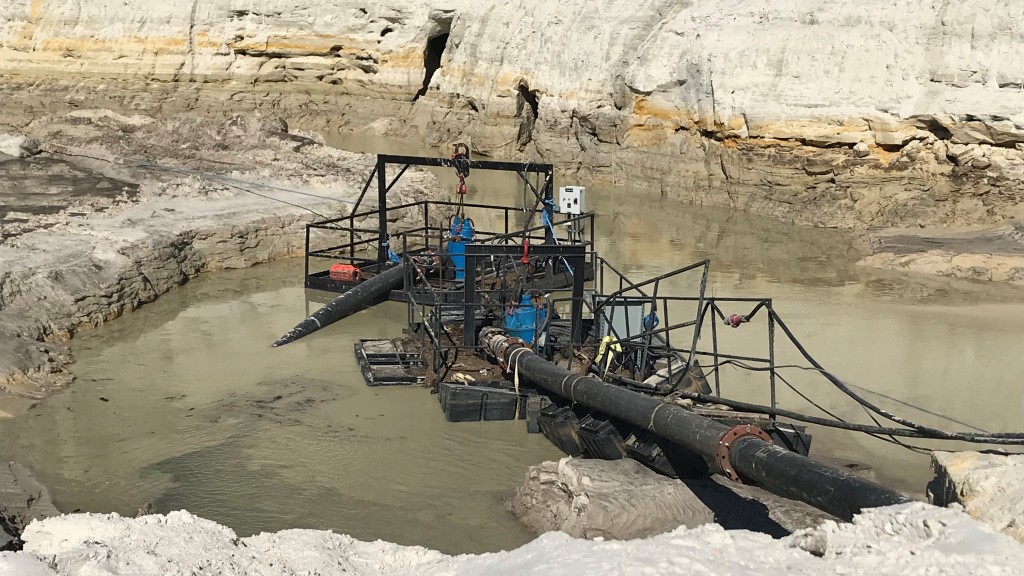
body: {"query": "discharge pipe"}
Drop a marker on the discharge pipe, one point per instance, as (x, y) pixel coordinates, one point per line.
(360, 296)
(740, 452)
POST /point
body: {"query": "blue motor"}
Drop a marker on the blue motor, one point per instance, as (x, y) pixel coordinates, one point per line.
(460, 234)
(524, 319)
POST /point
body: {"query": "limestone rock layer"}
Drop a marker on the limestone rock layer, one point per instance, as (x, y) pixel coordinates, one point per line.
(875, 113)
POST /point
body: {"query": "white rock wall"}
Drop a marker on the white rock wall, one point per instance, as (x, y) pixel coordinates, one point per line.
(830, 72)
(907, 540)
(874, 113)
(988, 486)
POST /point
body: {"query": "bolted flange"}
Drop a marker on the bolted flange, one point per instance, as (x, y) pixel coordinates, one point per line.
(726, 442)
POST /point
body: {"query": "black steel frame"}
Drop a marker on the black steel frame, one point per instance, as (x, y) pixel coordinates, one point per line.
(383, 187)
(361, 238)
(574, 255)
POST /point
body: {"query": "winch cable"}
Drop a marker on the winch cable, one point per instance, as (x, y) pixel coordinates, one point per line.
(883, 438)
(460, 161)
(869, 429)
(838, 422)
(877, 431)
(236, 183)
(244, 186)
(893, 439)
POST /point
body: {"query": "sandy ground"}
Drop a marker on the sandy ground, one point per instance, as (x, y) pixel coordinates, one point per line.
(903, 540)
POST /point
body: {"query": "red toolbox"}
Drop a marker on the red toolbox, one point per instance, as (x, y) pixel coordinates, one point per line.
(346, 273)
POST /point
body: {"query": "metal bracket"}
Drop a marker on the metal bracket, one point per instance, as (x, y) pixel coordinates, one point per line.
(728, 440)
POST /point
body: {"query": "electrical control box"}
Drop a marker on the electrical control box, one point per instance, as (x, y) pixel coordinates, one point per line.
(570, 200)
(623, 318)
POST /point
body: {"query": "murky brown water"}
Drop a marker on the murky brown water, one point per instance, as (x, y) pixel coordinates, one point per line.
(204, 415)
(194, 420)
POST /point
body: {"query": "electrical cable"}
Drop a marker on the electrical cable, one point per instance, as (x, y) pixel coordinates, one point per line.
(928, 432)
(745, 366)
(879, 433)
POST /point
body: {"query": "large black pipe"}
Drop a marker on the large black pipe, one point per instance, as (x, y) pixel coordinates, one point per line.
(362, 295)
(776, 469)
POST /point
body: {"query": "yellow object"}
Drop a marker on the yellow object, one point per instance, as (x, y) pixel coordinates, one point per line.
(608, 346)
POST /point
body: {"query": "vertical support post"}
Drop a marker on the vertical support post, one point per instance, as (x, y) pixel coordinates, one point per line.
(668, 322)
(700, 311)
(426, 224)
(714, 346)
(469, 295)
(382, 212)
(305, 277)
(549, 196)
(771, 352)
(409, 282)
(579, 276)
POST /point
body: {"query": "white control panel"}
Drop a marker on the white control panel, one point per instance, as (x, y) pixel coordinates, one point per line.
(571, 199)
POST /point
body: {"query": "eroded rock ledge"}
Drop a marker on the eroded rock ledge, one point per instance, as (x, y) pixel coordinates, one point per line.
(987, 485)
(75, 254)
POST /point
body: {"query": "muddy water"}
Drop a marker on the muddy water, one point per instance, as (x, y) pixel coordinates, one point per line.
(184, 404)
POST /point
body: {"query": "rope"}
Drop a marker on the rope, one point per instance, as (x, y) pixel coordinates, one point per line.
(514, 361)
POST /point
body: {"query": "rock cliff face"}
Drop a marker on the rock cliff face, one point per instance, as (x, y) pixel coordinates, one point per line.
(878, 113)
(986, 485)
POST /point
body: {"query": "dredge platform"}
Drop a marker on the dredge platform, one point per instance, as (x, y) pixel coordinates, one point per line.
(513, 315)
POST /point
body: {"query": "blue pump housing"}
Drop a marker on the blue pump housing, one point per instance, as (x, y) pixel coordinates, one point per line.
(460, 234)
(525, 319)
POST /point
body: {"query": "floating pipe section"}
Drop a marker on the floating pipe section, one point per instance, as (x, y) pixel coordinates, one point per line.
(740, 452)
(360, 296)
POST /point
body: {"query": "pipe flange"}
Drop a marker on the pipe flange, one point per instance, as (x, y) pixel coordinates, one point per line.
(501, 350)
(728, 440)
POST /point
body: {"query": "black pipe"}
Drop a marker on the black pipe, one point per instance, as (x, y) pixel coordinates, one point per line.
(362, 295)
(776, 469)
